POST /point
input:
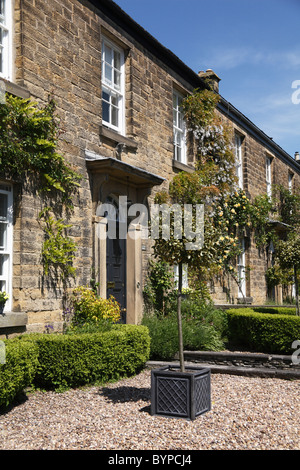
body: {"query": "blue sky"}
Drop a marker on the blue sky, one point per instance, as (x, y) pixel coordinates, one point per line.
(252, 45)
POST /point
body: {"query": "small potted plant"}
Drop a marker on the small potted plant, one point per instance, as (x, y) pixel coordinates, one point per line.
(3, 298)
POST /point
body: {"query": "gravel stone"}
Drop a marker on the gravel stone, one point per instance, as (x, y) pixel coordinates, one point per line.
(247, 413)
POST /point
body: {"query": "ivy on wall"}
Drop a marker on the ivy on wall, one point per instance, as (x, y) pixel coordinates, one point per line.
(28, 156)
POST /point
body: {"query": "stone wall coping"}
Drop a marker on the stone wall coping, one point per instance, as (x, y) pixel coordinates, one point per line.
(238, 355)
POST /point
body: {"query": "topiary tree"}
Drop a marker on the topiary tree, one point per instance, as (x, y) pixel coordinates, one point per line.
(195, 197)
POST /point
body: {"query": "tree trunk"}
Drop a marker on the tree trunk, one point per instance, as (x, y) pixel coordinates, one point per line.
(297, 291)
(180, 339)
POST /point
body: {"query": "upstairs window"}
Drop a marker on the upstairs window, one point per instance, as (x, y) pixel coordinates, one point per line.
(5, 39)
(291, 179)
(239, 160)
(112, 86)
(179, 129)
(6, 240)
(269, 175)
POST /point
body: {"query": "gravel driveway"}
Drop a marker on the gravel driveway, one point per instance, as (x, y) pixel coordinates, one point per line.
(247, 413)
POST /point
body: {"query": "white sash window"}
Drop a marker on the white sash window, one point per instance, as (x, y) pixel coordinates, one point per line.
(239, 160)
(179, 129)
(6, 240)
(113, 86)
(5, 39)
(269, 176)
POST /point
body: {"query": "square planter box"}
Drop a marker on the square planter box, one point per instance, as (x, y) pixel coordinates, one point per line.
(180, 394)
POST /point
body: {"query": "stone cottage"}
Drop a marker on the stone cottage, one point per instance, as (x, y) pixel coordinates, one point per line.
(118, 94)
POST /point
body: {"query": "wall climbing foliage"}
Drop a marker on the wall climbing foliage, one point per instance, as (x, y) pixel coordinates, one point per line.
(28, 155)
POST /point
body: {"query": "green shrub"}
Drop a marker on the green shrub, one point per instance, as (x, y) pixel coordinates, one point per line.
(263, 332)
(198, 334)
(276, 310)
(206, 313)
(89, 308)
(18, 371)
(77, 359)
(164, 337)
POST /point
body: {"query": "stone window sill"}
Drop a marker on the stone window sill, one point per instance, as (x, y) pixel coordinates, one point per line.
(182, 167)
(15, 89)
(117, 138)
(11, 319)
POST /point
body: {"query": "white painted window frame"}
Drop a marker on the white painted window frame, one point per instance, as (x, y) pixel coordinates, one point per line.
(6, 45)
(7, 249)
(179, 129)
(112, 90)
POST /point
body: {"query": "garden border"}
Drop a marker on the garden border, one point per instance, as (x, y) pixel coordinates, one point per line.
(240, 363)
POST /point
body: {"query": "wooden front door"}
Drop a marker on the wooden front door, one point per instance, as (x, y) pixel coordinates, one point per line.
(116, 271)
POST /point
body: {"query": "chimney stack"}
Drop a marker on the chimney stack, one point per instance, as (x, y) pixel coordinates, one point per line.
(211, 78)
(297, 157)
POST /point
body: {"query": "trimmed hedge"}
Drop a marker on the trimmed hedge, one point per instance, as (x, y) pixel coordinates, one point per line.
(263, 332)
(72, 360)
(276, 310)
(19, 369)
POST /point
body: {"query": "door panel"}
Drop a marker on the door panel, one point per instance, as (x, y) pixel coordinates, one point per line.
(116, 272)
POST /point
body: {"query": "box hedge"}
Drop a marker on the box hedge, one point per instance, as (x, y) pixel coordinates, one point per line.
(263, 332)
(276, 310)
(19, 369)
(73, 360)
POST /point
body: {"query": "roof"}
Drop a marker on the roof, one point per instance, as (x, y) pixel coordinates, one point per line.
(143, 37)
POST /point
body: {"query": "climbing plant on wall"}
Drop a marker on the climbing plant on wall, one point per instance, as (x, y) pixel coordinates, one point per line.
(28, 156)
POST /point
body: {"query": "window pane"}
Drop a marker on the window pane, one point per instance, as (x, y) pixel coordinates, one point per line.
(3, 206)
(114, 100)
(105, 111)
(3, 228)
(2, 259)
(117, 79)
(174, 118)
(108, 54)
(2, 12)
(178, 154)
(117, 60)
(107, 74)
(114, 116)
(174, 101)
(180, 120)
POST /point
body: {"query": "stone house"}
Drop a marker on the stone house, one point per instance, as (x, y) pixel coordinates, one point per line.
(117, 90)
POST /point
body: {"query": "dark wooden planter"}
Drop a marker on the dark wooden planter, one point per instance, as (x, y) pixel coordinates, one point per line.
(180, 394)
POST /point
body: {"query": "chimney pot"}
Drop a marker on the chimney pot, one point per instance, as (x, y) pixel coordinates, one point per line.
(297, 157)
